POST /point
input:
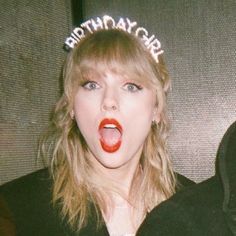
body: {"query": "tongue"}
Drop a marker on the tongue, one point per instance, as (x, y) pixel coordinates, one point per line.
(110, 136)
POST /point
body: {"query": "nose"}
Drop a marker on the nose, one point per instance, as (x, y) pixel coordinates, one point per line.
(110, 100)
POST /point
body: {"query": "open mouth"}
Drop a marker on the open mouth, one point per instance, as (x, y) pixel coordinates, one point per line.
(110, 135)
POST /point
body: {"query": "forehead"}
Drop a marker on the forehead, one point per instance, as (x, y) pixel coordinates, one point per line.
(100, 71)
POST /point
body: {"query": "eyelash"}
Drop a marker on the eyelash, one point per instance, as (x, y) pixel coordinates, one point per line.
(87, 83)
(138, 87)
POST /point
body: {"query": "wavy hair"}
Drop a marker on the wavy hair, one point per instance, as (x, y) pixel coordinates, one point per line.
(77, 185)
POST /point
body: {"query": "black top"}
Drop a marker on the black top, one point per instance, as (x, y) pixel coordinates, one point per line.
(196, 211)
(205, 209)
(26, 209)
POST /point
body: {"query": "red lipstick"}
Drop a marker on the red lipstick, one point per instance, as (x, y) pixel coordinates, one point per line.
(110, 132)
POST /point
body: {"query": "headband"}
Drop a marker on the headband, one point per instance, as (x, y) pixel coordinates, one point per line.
(107, 22)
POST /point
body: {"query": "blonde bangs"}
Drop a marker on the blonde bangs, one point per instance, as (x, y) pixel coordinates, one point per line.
(115, 51)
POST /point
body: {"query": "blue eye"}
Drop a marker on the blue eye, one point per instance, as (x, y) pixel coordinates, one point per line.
(90, 85)
(132, 87)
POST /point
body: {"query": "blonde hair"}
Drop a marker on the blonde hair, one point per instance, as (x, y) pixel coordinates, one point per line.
(76, 183)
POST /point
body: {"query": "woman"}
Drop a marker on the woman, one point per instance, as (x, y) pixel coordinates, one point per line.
(107, 142)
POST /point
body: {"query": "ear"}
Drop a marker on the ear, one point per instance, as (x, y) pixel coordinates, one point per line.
(72, 114)
(156, 115)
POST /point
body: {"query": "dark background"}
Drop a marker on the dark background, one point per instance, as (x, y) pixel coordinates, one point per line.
(199, 40)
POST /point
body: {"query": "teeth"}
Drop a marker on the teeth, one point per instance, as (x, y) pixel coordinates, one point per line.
(110, 126)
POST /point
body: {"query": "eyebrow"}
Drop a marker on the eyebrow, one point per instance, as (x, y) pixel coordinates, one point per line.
(89, 73)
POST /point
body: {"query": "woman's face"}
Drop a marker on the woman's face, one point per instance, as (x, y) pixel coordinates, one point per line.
(114, 115)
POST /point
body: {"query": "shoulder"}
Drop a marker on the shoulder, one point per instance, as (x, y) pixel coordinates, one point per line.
(26, 206)
(27, 183)
(27, 191)
(199, 192)
(196, 199)
(32, 189)
(195, 210)
(182, 181)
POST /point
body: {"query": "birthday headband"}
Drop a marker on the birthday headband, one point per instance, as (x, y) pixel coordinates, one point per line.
(107, 22)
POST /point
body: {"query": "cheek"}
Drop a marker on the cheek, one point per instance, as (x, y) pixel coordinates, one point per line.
(138, 125)
(140, 106)
(139, 116)
(85, 105)
(86, 111)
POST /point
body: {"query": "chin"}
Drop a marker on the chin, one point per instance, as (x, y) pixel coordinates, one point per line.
(112, 161)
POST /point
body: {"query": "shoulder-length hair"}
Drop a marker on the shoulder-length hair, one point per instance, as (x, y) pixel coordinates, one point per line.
(76, 182)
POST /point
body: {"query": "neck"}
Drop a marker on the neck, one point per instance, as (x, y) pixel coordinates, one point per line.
(121, 177)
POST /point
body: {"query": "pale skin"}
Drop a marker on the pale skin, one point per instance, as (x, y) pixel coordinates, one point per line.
(133, 105)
